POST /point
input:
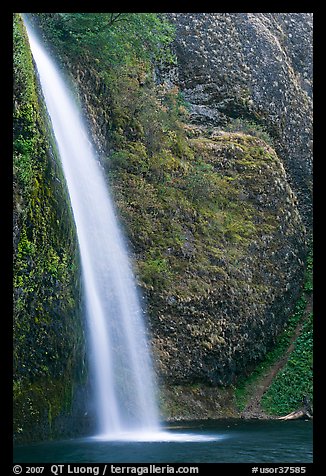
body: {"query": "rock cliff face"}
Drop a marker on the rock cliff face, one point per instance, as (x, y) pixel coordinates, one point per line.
(256, 66)
(222, 266)
(215, 203)
(48, 340)
(242, 285)
(219, 251)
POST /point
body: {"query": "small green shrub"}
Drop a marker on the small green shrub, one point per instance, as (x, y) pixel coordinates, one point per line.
(294, 382)
(308, 287)
(250, 128)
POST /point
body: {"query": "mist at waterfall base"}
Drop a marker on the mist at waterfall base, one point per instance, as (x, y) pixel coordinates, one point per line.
(227, 441)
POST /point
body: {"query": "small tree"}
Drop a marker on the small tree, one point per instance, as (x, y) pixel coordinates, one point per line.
(110, 37)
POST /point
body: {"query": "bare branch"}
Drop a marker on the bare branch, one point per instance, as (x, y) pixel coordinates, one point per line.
(114, 17)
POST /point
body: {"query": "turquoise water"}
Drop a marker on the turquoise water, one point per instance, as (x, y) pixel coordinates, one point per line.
(222, 441)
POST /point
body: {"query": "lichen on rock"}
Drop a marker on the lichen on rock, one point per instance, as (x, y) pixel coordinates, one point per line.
(256, 66)
(48, 341)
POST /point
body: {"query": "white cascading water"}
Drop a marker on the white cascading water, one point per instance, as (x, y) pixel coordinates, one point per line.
(120, 357)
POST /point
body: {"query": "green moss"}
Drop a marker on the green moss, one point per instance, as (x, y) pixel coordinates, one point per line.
(40, 402)
(249, 128)
(309, 274)
(48, 343)
(294, 382)
(196, 402)
(154, 272)
(245, 384)
(173, 202)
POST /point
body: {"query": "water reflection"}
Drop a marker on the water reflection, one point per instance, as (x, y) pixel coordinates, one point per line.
(225, 441)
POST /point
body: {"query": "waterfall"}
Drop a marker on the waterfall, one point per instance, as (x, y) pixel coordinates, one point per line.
(120, 361)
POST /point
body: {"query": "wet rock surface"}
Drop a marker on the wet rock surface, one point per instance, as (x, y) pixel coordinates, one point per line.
(256, 66)
(235, 306)
(220, 295)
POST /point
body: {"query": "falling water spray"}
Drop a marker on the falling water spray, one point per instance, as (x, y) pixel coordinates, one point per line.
(120, 360)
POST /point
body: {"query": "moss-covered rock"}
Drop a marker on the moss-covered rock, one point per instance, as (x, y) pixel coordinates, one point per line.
(214, 232)
(255, 66)
(233, 262)
(48, 336)
(197, 402)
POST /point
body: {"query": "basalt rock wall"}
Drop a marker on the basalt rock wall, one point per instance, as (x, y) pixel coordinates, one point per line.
(255, 66)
